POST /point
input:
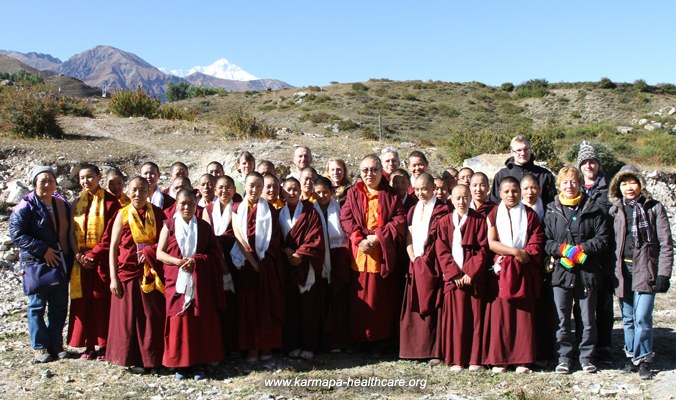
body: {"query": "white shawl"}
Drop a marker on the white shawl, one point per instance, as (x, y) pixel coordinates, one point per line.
(456, 245)
(538, 208)
(186, 238)
(334, 237)
(263, 230)
(203, 203)
(157, 198)
(512, 225)
(287, 221)
(420, 225)
(221, 220)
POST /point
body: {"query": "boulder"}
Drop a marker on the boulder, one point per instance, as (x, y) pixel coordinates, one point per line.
(671, 111)
(489, 164)
(642, 121)
(17, 191)
(624, 129)
(652, 126)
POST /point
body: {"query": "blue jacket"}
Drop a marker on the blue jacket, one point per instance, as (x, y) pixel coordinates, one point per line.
(32, 230)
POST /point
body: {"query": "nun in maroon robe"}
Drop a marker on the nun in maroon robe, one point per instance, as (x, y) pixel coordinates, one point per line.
(462, 312)
(423, 293)
(136, 327)
(373, 219)
(229, 318)
(513, 288)
(192, 333)
(89, 315)
(260, 293)
(304, 290)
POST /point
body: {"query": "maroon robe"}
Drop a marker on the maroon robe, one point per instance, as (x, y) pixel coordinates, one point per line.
(422, 297)
(303, 311)
(260, 295)
(486, 208)
(136, 331)
(462, 312)
(193, 335)
(229, 318)
(508, 330)
(89, 315)
(336, 325)
(373, 296)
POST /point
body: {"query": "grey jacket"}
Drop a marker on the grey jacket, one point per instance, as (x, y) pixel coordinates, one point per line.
(651, 259)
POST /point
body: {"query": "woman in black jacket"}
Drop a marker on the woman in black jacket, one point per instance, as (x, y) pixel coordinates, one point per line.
(576, 233)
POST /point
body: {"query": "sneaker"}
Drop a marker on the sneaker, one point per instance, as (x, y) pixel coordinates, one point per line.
(179, 375)
(456, 368)
(522, 369)
(499, 370)
(199, 376)
(295, 353)
(41, 356)
(434, 362)
(475, 368)
(59, 353)
(136, 370)
(562, 368)
(629, 368)
(644, 371)
(589, 368)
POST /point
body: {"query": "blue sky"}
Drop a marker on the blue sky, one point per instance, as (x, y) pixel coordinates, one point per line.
(316, 42)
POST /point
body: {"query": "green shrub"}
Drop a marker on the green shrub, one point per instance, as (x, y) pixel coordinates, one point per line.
(542, 145)
(314, 89)
(177, 91)
(410, 97)
(667, 88)
(202, 91)
(243, 125)
(360, 87)
(606, 83)
(609, 162)
(322, 98)
(175, 113)
(466, 144)
(643, 87)
(74, 107)
(348, 125)
(507, 87)
(532, 88)
(26, 113)
(318, 118)
(22, 77)
(134, 103)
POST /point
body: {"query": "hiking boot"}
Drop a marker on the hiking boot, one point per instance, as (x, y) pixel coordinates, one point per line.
(629, 368)
(41, 356)
(563, 368)
(59, 353)
(589, 368)
(644, 371)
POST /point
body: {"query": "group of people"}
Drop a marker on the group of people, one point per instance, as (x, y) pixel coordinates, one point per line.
(448, 268)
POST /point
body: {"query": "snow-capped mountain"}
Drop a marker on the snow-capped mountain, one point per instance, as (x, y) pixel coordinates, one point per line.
(221, 68)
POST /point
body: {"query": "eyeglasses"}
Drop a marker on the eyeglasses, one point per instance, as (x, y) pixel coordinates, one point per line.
(523, 150)
(374, 170)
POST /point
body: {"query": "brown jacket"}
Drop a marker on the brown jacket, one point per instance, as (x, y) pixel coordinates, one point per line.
(651, 259)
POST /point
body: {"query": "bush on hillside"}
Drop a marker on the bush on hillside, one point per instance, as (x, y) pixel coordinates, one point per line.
(177, 91)
(507, 87)
(134, 103)
(26, 113)
(532, 88)
(359, 87)
(643, 87)
(175, 113)
(606, 83)
(466, 144)
(202, 91)
(74, 107)
(609, 162)
(21, 77)
(243, 125)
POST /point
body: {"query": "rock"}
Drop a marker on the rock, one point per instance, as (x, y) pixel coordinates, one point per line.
(6, 240)
(65, 182)
(4, 247)
(75, 171)
(17, 191)
(652, 175)
(406, 144)
(642, 121)
(624, 129)
(671, 111)
(652, 126)
(46, 374)
(489, 164)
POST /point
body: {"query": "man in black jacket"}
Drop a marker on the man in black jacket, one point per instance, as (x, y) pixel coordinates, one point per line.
(521, 163)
